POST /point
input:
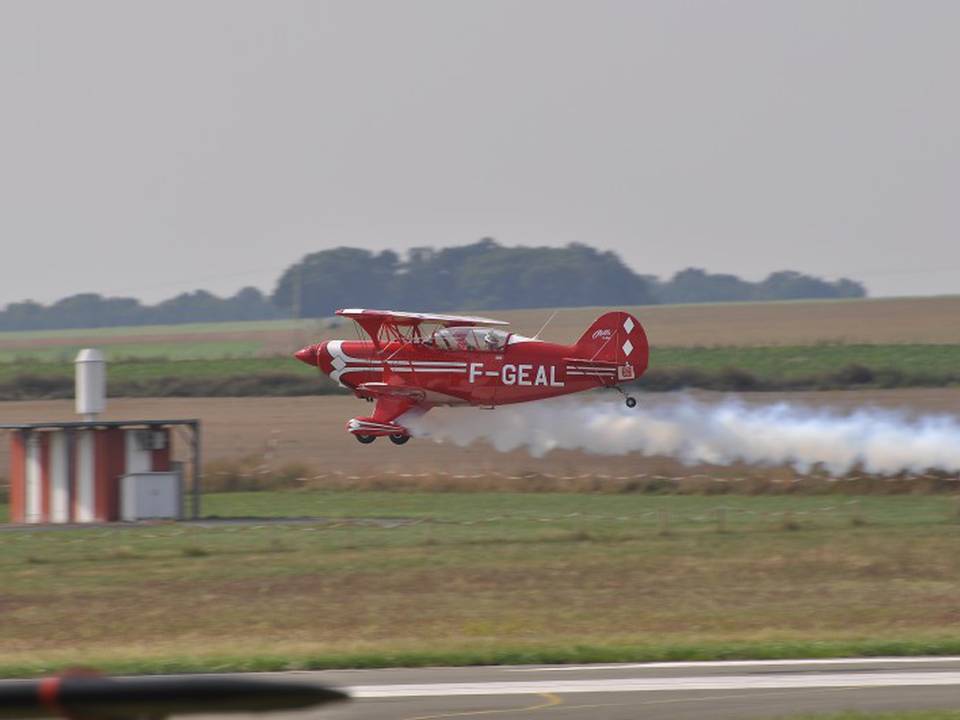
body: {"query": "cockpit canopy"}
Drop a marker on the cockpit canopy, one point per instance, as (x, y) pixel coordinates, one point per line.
(469, 338)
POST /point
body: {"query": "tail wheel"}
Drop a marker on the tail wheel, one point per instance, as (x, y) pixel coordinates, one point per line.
(365, 439)
(399, 438)
(631, 402)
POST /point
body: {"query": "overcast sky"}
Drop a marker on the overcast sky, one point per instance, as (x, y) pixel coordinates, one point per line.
(148, 148)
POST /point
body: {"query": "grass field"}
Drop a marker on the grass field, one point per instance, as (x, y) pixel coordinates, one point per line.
(485, 578)
(785, 362)
(736, 346)
(232, 368)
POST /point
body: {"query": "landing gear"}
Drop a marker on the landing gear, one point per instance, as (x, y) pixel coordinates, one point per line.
(365, 439)
(399, 438)
(630, 400)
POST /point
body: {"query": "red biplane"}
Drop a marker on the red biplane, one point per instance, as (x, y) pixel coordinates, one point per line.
(469, 361)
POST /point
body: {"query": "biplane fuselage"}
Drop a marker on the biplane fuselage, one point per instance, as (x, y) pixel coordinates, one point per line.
(469, 361)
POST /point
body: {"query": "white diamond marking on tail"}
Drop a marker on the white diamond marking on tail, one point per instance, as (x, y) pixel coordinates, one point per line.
(628, 326)
(627, 347)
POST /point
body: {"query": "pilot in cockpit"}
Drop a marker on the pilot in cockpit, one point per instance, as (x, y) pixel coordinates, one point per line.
(465, 339)
(493, 340)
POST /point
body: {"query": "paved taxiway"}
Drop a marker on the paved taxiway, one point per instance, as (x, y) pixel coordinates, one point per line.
(739, 689)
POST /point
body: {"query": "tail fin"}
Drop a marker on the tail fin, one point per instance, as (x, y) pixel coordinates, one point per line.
(616, 337)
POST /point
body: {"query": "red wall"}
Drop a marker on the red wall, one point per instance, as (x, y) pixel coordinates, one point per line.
(18, 476)
(110, 462)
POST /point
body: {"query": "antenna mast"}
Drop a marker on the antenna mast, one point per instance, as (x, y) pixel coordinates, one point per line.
(549, 319)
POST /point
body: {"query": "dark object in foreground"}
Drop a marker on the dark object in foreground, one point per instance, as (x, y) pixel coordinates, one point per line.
(99, 698)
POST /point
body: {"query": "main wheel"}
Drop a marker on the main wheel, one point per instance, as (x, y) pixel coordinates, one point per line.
(631, 402)
(399, 438)
(365, 439)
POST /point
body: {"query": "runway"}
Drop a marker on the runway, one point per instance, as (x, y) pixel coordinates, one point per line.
(744, 689)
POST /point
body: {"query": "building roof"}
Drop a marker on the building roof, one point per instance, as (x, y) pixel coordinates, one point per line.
(94, 424)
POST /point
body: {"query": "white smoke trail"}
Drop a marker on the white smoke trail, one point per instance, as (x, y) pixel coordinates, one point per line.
(878, 441)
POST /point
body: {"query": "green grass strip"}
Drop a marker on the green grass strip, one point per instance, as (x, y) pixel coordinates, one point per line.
(532, 655)
(810, 360)
(894, 715)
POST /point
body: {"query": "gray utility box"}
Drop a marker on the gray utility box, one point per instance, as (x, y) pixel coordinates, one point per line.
(150, 495)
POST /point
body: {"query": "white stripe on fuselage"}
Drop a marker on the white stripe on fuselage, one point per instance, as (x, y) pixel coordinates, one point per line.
(355, 364)
(439, 363)
(429, 369)
(425, 363)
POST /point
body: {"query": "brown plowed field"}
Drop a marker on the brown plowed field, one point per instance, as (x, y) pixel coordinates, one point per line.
(270, 338)
(900, 320)
(310, 430)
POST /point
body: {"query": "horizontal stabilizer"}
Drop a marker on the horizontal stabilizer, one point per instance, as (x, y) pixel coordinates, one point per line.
(591, 363)
(606, 371)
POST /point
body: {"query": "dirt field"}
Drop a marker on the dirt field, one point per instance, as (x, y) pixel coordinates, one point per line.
(310, 430)
(274, 342)
(899, 320)
(906, 320)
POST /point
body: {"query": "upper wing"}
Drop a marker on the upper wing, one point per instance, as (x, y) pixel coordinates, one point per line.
(396, 317)
(372, 320)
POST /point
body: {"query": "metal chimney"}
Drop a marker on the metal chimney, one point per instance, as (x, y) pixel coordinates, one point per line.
(91, 388)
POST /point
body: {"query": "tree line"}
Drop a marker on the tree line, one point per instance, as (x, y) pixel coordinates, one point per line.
(481, 276)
